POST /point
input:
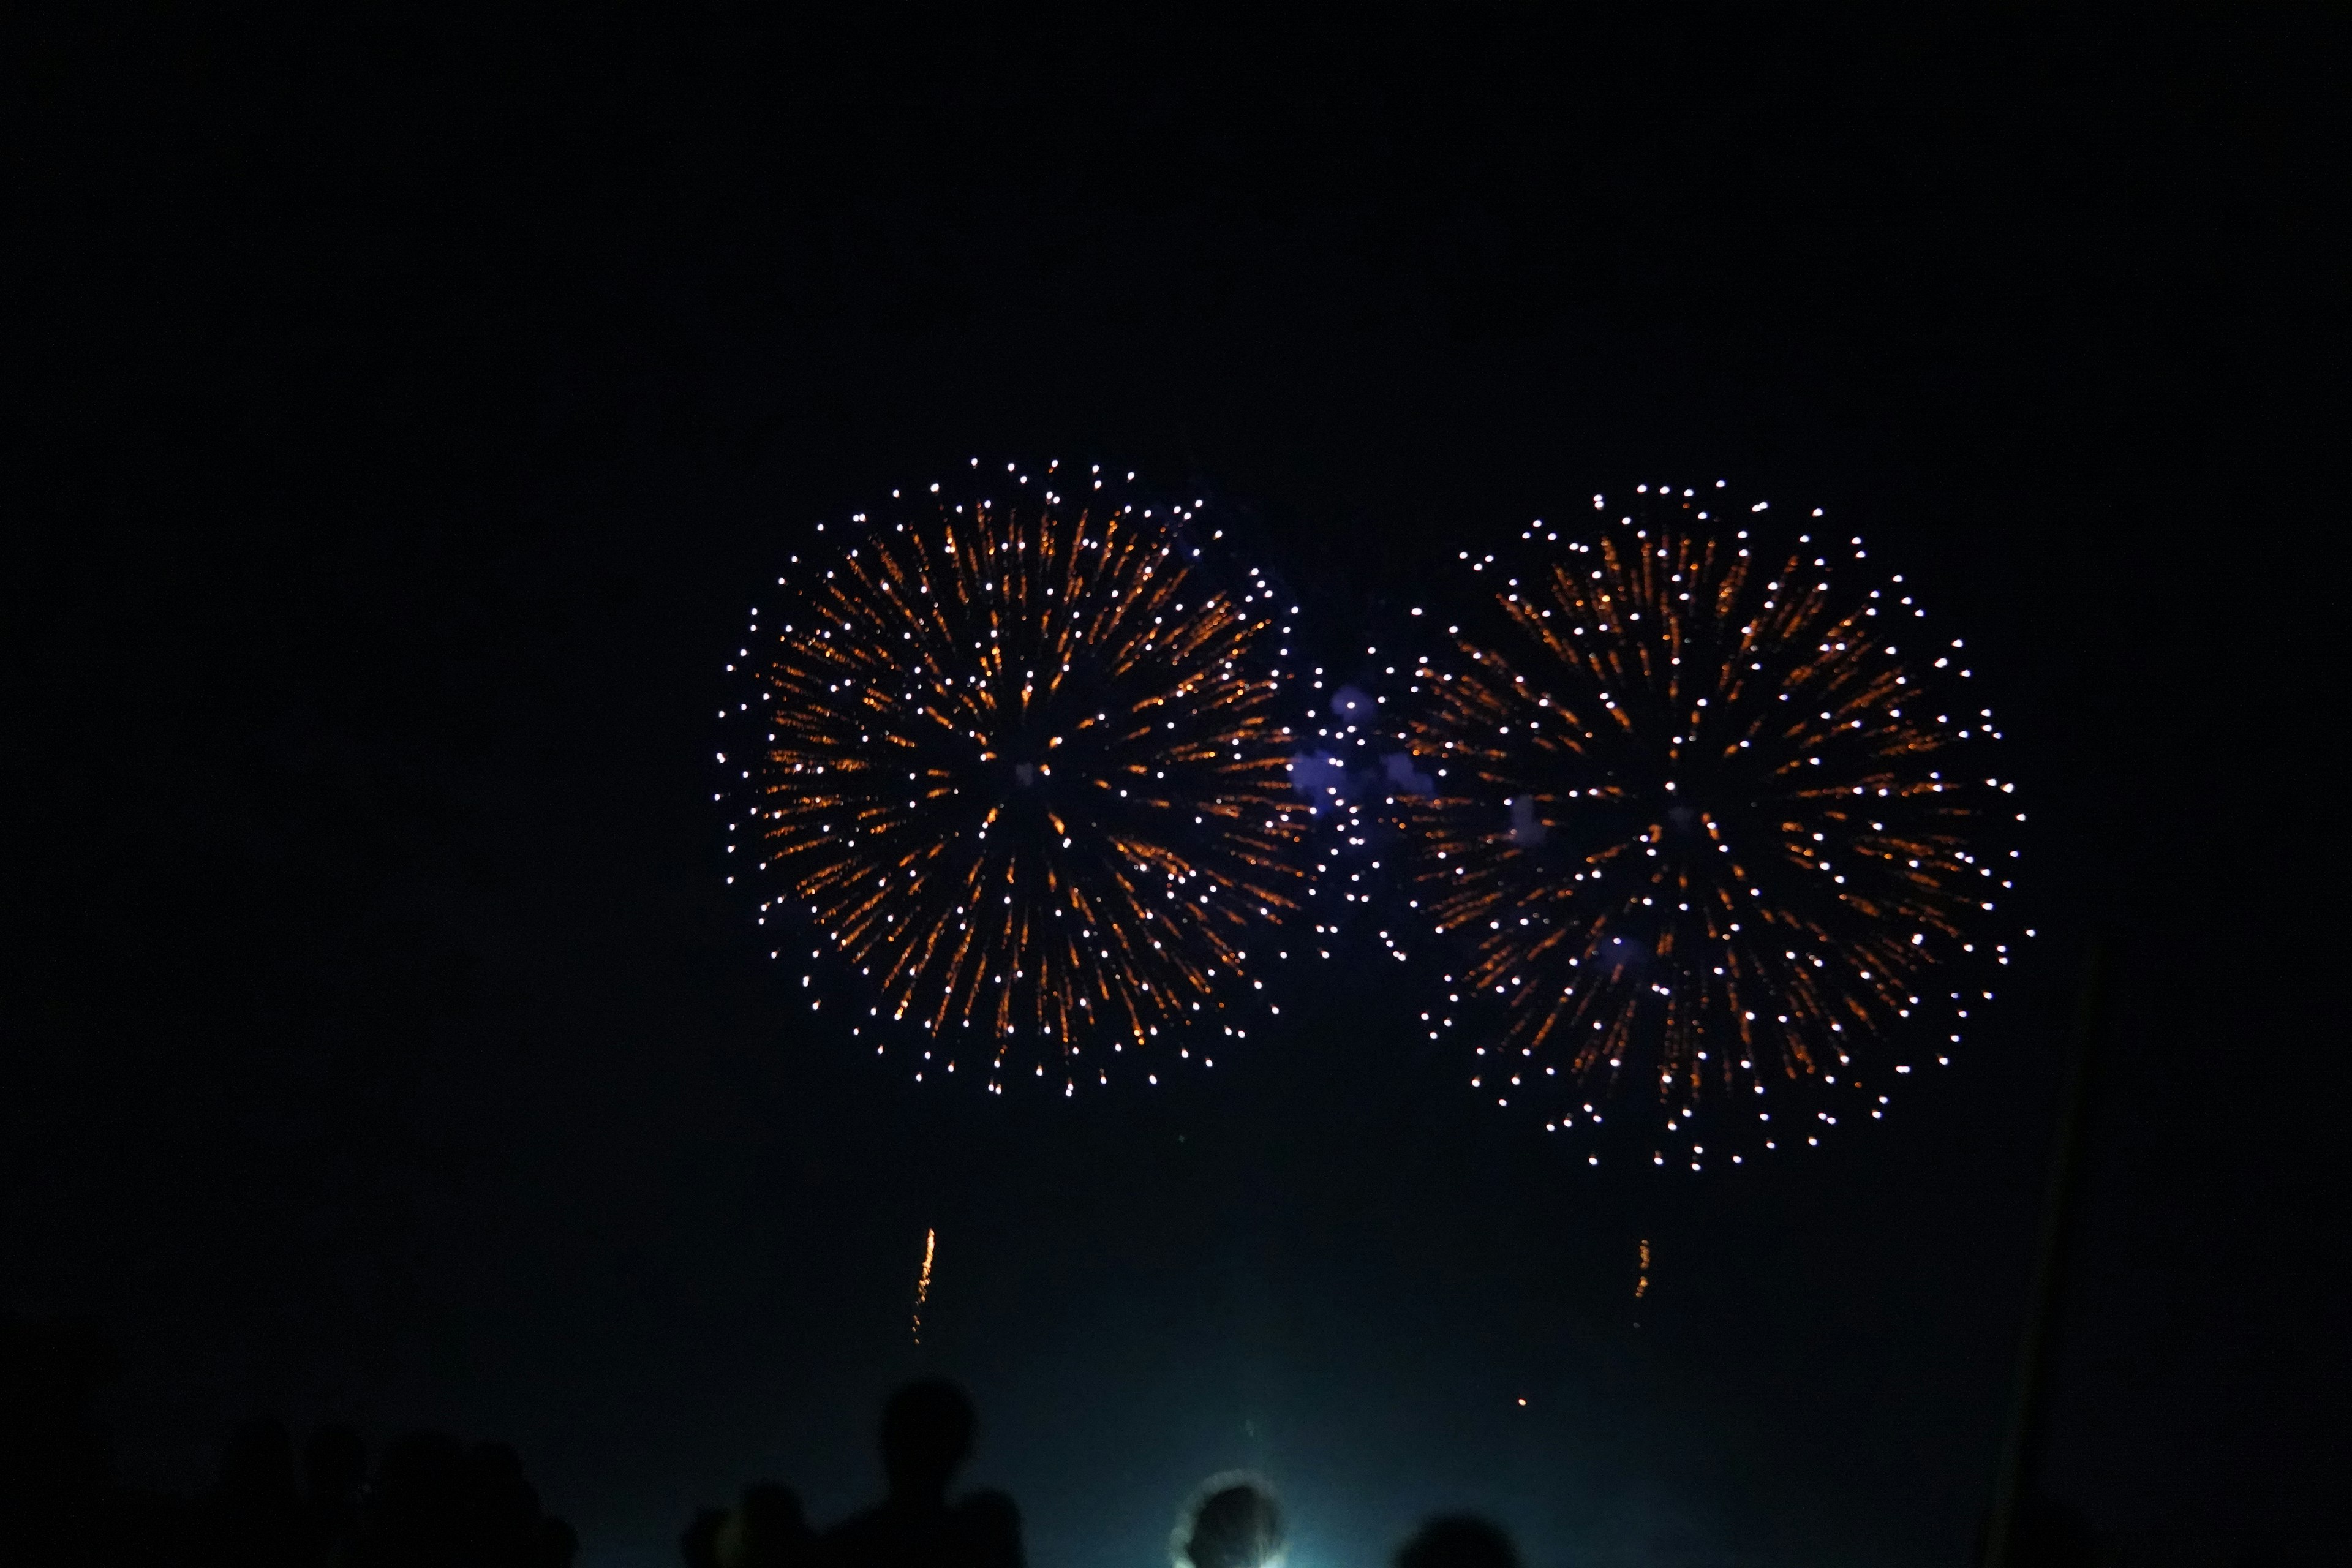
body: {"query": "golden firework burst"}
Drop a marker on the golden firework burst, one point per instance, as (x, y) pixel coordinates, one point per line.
(1018, 760)
(1709, 822)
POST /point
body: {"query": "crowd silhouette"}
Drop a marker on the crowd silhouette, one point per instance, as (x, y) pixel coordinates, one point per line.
(927, 1434)
(429, 1500)
(1232, 1521)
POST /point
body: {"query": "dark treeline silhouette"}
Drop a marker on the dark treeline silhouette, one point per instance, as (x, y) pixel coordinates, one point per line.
(429, 1502)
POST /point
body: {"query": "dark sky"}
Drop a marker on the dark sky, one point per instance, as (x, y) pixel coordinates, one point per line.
(401, 416)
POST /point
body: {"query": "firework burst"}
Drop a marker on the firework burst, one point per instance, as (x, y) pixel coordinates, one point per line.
(1713, 829)
(1016, 756)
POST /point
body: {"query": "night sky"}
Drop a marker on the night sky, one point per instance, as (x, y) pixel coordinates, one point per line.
(402, 418)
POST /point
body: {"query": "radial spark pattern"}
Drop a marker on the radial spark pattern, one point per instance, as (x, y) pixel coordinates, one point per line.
(1714, 826)
(1017, 757)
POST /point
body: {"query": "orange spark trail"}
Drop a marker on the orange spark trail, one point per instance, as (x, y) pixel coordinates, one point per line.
(923, 1281)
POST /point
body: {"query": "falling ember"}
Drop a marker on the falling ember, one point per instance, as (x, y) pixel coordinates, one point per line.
(923, 1281)
(1713, 826)
(1015, 755)
(1642, 1272)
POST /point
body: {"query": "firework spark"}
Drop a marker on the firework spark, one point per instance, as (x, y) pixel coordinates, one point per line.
(1019, 760)
(1712, 825)
(1339, 778)
(923, 1280)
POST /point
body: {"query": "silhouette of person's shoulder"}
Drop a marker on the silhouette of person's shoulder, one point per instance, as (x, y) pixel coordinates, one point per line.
(699, 1546)
(927, 1433)
(988, 1531)
(983, 1531)
(767, 1530)
(1458, 1540)
(888, 1535)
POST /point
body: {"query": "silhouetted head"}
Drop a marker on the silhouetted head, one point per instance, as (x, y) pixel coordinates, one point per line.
(767, 1530)
(1458, 1541)
(49, 1372)
(335, 1464)
(419, 1506)
(699, 1545)
(559, 1544)
(501, 1509)
(258, 1463)
(927, 1430)
(1235, 1524)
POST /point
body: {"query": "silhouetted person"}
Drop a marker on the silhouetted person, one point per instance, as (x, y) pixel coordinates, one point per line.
(439, 1504)
(1458, 1541)
(699, 1546)
(559, 1544)
(927, 1433)
(501, 1523)
(989, 1526)
(1234, 1525)
(334, 1476)
(55, 1487)
(417, 1514)
(2046, 1533)
(766, 1530)
(255, 1517)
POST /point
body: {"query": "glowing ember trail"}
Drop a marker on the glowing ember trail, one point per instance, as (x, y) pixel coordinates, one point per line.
(923, 1281)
